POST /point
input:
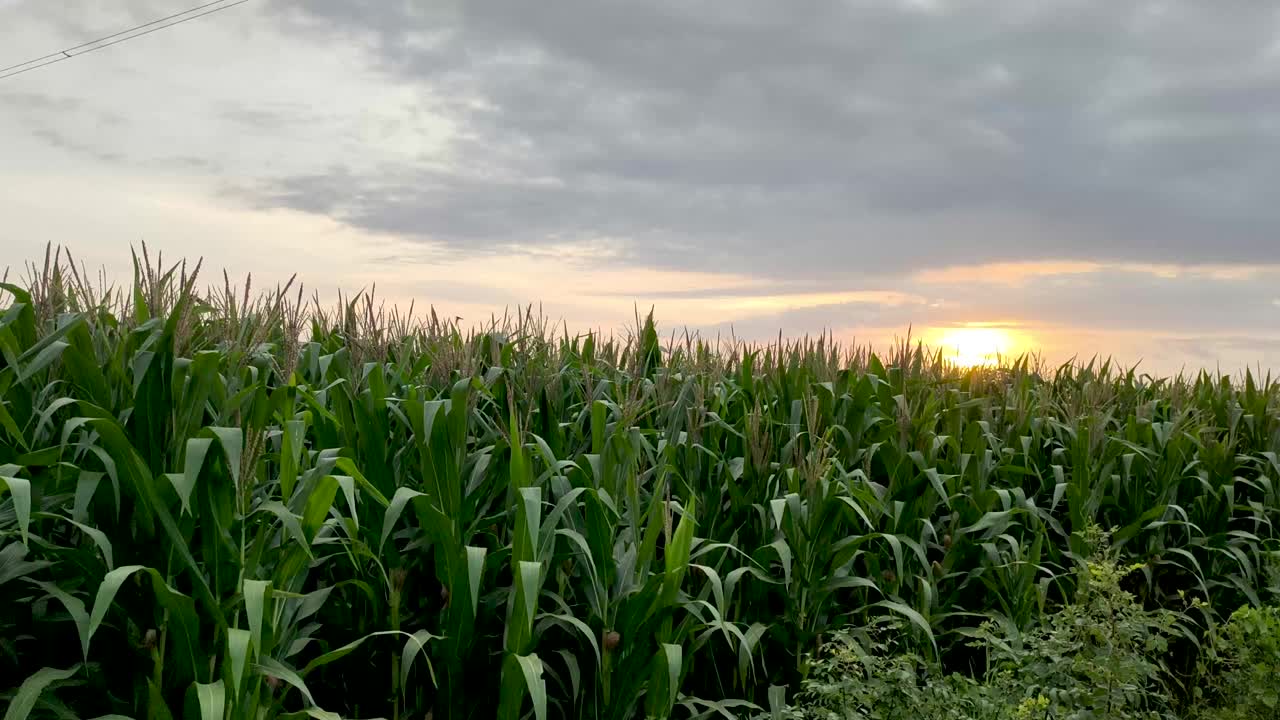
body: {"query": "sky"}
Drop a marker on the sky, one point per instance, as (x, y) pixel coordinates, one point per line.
(1077, 177)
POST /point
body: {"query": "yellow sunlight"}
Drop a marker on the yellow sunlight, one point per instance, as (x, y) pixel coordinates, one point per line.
(971, 346)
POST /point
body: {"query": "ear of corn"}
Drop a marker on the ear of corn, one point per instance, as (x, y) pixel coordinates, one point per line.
(203, 513)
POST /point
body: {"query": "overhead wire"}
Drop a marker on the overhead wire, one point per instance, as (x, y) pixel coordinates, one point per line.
(119, 37)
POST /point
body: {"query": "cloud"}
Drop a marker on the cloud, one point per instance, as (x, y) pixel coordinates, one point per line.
(1144, 301)
(1228, 353)
(827, 137)
(1141, 302)
(1097, 170)
(825, 140)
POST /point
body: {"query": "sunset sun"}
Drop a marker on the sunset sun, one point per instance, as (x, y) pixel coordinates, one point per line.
(972, 346)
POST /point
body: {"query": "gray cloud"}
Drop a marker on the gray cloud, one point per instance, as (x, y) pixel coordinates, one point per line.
(1229, 354)
(811, 139)
(804, 149)
(1246, 309)
(31, 102)
(1118, 300)
(65, 142)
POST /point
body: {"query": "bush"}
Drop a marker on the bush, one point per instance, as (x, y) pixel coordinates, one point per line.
(1245, 667)
(1096, 657)
(853, 682)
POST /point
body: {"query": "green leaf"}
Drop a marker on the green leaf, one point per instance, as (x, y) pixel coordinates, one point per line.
(998, 519)
(29, 691)
(475, 572)
(255, 602)
(415, 645)
(311, 712)
(99, 538)
(394, 509)
(939, 486)
(664, 681)
(10, 427)
(20, 489)
(185, 482)
(74, 607)
(42, 359)
(86, 486)
(523, 607)
(582, 628)
(238, 650)
(783, 551)
(777, 701)
(13, 564)
(290, 453)
(521, 676)
(183, 624)
(317, 504)
(348, 485)
(231, 440)
(102, 602)
(347, 649)
(747, 648)
(915, 617)
(212, 698)
(291, 523)
(677, 555)
(270, 667)
(524, 542)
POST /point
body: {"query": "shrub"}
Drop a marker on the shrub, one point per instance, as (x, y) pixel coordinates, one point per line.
(1245, 667)
(1096, 657)
(852, 682)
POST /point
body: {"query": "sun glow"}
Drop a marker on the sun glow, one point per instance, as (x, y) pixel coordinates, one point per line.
(972, 346)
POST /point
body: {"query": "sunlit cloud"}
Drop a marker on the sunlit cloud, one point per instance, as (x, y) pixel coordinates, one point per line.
(775, 303)
(1018, 273)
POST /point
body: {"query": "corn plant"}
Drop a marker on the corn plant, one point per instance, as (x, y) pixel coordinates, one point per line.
(223, 504)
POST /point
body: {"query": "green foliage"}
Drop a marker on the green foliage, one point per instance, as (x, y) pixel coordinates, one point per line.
(1246, 667)
(850, 681)
(218, 505)
(1102, 655)
(1096, 657)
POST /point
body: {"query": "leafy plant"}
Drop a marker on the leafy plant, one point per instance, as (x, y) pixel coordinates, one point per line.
(218, 503)
(1096, 657)
(1245, 666)
(1099, 656)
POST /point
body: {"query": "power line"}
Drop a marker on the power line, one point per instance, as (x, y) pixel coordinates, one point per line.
(130, 34)
(108, 37)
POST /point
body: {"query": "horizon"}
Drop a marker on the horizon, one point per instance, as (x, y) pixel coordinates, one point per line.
(1071, 177)
(984, 352)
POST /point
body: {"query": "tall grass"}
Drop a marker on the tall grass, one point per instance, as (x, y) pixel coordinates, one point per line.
(226, 504)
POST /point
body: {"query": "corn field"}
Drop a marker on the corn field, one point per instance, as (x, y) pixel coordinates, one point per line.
(216, 503)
